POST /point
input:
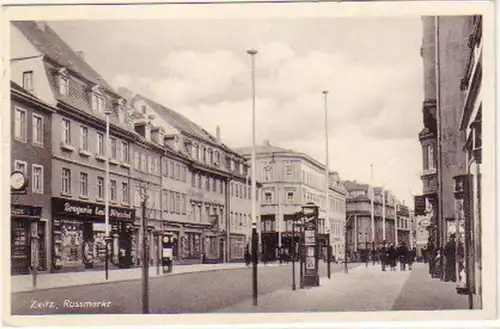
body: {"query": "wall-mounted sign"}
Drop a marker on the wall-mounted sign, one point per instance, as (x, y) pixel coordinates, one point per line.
(25, 211)
(91, 211)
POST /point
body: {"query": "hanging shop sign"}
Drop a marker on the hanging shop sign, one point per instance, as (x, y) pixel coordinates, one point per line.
(90, 210)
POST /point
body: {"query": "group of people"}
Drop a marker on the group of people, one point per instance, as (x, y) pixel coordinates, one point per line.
(390, 255)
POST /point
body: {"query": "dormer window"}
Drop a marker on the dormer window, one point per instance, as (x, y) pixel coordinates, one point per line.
(148, 132)
(121, 114)
(97, 103)
(161, 137)
(63, 85)
(176, 144)
(143, 109)
(28, 80)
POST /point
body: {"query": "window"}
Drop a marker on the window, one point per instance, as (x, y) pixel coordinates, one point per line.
(66, 131)
(125, 153)
(20, 166)
(165, 168)
(143, 162)
(84, 138)
(112, 190)
(63, 85)
(66, 181)
(37, 177)
(37, 129)
(193, 179)
(137, 160)
(199, 180)
(267, 173)
(268, 197)
(214, 185)
(20, 125)
(84, 184)
(207, 183)
(172, 201)
(100, 144)
(288, 171)
(171, 169)
(97, 103)
(137, 196)
(289, 197)
(165, 200)
(236, 192)
(100, 187)
(149, 164)
(28, 80)
(430, 150)
(114, 149)
(125, 197)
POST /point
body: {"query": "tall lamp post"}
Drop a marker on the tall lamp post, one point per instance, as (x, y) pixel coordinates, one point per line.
(372, 213)
(107, 237)
(252, 53)
(327, 185)
(346, 228)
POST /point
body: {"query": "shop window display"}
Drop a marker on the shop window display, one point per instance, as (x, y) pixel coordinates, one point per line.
(69, 251)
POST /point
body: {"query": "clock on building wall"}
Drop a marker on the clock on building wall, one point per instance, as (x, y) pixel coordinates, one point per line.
(18, 182)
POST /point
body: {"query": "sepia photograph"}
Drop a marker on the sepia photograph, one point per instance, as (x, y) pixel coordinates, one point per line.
(231, 164)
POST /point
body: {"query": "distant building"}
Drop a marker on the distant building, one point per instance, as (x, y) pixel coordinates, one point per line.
(290, 180)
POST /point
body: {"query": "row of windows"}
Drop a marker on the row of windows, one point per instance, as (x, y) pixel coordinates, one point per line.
(175, 202)
(21, 127)
(240, 220)
(83, 187)
(241, 191)
(269, 173)
(206, 155)
(36, 175)
(175, 170)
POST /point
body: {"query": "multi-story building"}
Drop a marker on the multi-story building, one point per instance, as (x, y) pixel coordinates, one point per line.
(471, 125)
(81, 99)
(289, 180)
(444, 53)
(392, 220)
(451, 138)
(215, 225)
(31, 163)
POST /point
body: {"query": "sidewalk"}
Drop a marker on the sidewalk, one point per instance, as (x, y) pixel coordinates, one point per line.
(20, 283)
(421, 292)
(362, 289)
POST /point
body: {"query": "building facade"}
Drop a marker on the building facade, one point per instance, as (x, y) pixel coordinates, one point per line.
(289, 181)
(214, 220)
(31, 163)
(451, 139)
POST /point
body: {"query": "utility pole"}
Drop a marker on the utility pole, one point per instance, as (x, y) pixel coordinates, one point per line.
(372, 213)
(145, 256)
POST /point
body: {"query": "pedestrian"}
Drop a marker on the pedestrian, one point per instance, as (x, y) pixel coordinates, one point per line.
(450, 260)
(410, 257)
(393, 255)
(383, 256)
(402, 254)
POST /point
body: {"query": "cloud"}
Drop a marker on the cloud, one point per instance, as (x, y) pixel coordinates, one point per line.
(373, 105)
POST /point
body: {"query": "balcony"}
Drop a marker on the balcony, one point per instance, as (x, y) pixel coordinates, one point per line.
(429, 181)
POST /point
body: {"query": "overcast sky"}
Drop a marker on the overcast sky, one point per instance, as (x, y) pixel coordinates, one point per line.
(371, 67)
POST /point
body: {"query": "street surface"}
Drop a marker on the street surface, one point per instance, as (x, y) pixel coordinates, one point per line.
(199, 292)
(362, 289)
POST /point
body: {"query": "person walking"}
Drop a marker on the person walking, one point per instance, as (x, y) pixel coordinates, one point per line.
(383, 256)
(402, 253)
(410, 258)
(393, 255)
(450, 260)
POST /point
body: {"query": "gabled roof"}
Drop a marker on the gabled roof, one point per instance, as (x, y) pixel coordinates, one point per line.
(181, 123)
(355, 186)
(56, 49)
(262, 149)
(17, 89)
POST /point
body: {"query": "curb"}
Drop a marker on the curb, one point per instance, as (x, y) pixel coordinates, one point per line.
(31, 290)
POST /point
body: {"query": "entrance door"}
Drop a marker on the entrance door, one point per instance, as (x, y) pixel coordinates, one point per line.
(20, 247)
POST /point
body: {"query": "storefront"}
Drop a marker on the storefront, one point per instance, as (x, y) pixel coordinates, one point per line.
(238, 242)
(27, 237)
(78, 234)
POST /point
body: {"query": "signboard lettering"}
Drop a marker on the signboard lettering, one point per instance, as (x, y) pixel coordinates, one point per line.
(96, 211)
(20, 210)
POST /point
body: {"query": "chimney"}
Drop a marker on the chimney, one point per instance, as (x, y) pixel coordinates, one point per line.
(41, 25)
(81, 54)
(217, 133)
(267, 142)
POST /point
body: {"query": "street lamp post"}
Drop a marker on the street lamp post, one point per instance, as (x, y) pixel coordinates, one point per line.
(107, 237)
(252, 53)
(327, 185)
(372, 213)
(346, 227)
(294, 254)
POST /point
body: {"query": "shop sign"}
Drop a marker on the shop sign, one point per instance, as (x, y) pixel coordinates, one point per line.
(92, 210)
(25, 211)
